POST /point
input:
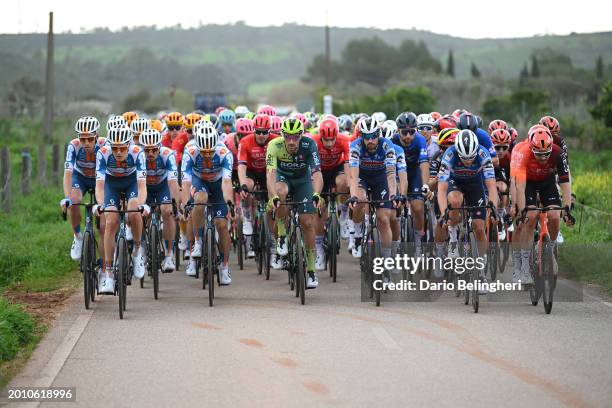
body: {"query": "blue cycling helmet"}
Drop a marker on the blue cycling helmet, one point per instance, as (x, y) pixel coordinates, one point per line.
(227, 117)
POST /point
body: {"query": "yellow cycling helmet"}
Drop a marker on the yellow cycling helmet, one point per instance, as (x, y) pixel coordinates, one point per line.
(129, 117)
(157, 125)
(174, 119)
(191, 119)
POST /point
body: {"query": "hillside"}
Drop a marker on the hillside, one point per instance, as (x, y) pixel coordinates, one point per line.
(231, 57)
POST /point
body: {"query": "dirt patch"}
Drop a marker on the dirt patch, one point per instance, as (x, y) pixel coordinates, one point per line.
(43, 306)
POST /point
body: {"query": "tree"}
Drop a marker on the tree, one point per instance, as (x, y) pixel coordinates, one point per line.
(524, 75)
(535, 68)
(599, 68)
(25, 96)
(474, 71)
(372, 61)
(603, 110)
(450, 64)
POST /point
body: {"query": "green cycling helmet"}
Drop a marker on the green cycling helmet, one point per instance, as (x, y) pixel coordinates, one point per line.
(292, 126)
(249, 115)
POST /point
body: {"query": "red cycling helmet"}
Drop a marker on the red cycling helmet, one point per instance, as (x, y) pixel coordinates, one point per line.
(513, 134)
(262, 122)
(277, 121)
(540, 139)
(445, 122)
(551, 123)
(301, 117)
(497, 124)
(244, 126)
(328, 129)
(435, 115)
(501, 137)
(267, 110)
(458, 112)
(219, 110)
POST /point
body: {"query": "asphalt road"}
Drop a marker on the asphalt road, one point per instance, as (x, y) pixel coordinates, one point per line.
(258, 347)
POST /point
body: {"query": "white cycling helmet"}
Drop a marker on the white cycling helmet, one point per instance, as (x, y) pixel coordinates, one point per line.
(150, 138)
(241, 111)
(425, 119)
(140, 125)
(368, 126)
(205, 135)
(466, 144)
(115, 121)
(119, 135)
(379, 116)
(87, 124)
(389, 128)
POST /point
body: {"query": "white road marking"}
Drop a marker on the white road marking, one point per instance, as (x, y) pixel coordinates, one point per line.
(385, 338)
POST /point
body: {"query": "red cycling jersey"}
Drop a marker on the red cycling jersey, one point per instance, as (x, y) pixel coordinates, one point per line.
(230, 142)
(166, 140)
(252, 154)
(525, 167)
(178, 145)
(334, 157)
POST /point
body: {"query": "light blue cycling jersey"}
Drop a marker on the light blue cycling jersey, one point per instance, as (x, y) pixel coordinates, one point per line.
(453, 168)
(209, 170)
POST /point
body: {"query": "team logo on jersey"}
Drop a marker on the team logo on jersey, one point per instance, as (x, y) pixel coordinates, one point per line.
(482, 154)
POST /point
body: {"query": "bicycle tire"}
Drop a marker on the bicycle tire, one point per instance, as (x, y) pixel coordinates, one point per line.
(548, 278)
(493, 252)
(333, 250)
(534, 293)
(121, 273)
(175, 247)
(468, 276)
(240, 243)
(258, 244)
(86, 264)
(475, 273)
(154, 260)
(265, 244)
(210, 239)
(301, 266)
(376, 253)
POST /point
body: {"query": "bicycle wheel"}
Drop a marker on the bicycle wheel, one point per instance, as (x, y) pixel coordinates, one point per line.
(265, 246)
(154, 260)
(548, 275)
(475, 272)
(86, 265)
(333, 246)
(376, 253)
(121, 272)
(212, 257)
(534, 292)
(240, 243)
(301, 266)
(465, 249)
(175, 248)
(493, 251)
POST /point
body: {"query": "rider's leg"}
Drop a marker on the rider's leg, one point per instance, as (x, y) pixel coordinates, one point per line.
(112, 226)
(307, 222)
(282, 189)
(224, 239)
(136, 221)
(198, 214)
(169, 228)
(75, 211)
(554, 221)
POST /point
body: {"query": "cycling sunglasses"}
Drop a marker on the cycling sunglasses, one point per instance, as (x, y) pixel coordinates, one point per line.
(542, 155)
(294, 137)
(425, 128)
(174, 127)
(408, 131)
(502, 148)
(151, 149)
(370, 136)
(262, 132)
(118, 149)
(87, 138)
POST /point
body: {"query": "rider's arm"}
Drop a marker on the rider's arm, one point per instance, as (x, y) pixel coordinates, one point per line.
(271, 169)
(141, 177)
(100, 175)
(67, 182)
(423, 160)
(489, 177)
(317, 182)
(68, 168)
(186, 169)
(442, 193)
(226, 176)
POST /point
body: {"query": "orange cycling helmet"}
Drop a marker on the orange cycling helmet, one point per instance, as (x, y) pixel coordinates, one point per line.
(497, 124)
(501, 137)
(129, 117)
(191, 119)
(174, 119)
(540, 139)
(328, 129)
(551, 123)
(436, 115)
(157, 125)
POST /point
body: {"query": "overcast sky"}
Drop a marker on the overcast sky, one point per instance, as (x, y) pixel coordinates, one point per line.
(470, 19)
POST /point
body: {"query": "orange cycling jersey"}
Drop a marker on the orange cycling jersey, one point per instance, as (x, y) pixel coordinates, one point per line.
(178, 145)
(230, 142)
(525, 167)
(252, 154)
(166, 140)
(334, 157)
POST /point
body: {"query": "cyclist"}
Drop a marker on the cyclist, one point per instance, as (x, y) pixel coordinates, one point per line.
(536, 164)
(121, 168)
(251, 160)
(228, 120)
(333, 150)
(446, 139)
(417, 171)
(267, 110)
(346, 124)
(501, 139)
(138, 126)
(244, 127)
(497, 124)
(470, 122)
(80, 177)
(425, 127)
(277, 122)
(291, 161)
(372, 165)
(389, 129)
(207, 176)
(115, 121)
(162, 187)
(180, 142)
(465, 166)
(174, 122)
(435, 115)
(130, 117)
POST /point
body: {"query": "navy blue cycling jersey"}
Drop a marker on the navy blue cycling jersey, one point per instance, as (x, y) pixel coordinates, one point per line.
(372, 164)
(415, 152)
(485, 141)
(452, 167)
